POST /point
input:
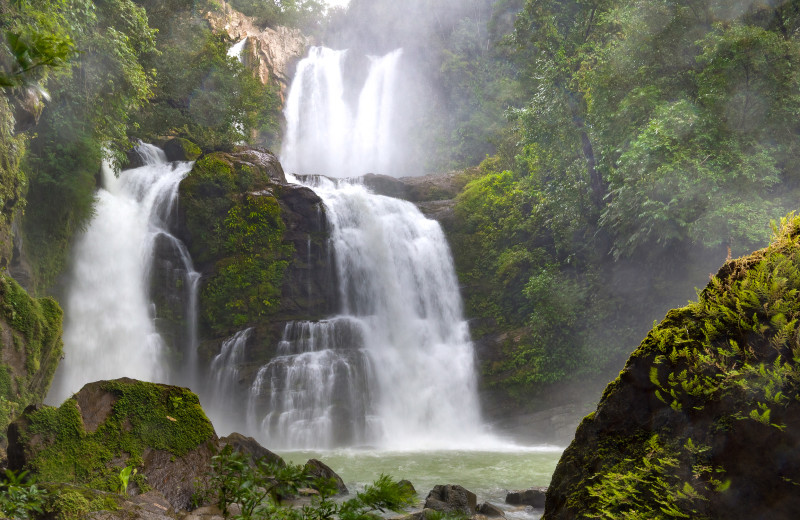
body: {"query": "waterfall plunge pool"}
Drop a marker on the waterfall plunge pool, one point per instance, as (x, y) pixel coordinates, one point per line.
(488, 474)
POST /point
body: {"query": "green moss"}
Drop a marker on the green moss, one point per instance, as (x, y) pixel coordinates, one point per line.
(68, 502)
(234, 222)
(726, 366)
(12, 179)
(247, 281)
(190, 150)
(5, 381)
(35, 326)
(144, 415)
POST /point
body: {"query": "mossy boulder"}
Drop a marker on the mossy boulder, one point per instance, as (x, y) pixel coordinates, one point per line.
(160, 430)
(180, 149)
(704, 420)
(261, 246)
(30, 349)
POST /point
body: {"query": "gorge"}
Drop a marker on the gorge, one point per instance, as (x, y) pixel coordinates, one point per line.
(389, 366)
(473, 216)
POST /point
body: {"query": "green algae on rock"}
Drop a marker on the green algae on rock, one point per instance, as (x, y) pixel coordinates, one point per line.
(261, 245)
(30, 348)
(704, 420)
(109, 425)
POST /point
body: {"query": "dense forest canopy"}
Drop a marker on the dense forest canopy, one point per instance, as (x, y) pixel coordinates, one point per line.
(626, 148)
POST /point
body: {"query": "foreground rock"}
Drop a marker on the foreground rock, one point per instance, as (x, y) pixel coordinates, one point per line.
(704, 420)
(318, 469)
(533, 497)
(452, 499)
(250, 447)
(158, 429)
(490, 510)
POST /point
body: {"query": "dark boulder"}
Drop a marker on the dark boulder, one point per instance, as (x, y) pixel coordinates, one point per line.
(491, 510)
(452, 499)
(133, 159)
(250, 447)
(533, 497)
(318, 469)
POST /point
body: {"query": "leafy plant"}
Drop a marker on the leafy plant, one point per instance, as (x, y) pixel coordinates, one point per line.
(259, 487)
(125, 475)
(20, 498)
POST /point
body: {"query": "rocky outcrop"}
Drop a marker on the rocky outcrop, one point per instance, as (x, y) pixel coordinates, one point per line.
(271, 52)
(704, 420)
(250, 447)
(452, 499)
(261, 246)
(109, 425)
(30, 349)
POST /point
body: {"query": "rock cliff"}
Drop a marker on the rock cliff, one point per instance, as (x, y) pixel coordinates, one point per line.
(30, 349)
(704, 420)
(271, 52)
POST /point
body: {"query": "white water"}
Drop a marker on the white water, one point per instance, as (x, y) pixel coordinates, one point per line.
(237, 49)
(326, 134)
(396, 368)
(109, 330)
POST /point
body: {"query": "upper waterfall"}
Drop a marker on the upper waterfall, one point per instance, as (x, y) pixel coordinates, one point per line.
(338, 126)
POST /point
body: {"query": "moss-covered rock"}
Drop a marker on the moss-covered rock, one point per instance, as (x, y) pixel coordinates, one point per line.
(704, 420)
(180, 149)
(160, 430)
(12, 179)
(30, 349)
(261, 246)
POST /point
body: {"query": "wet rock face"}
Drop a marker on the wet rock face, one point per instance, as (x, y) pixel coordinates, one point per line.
(261, 246)
(238, 207)
(30, 349)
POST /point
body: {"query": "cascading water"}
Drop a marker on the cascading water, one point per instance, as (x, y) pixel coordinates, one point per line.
(237, 50)
(396, 368)
(109, 330)
(325, 133)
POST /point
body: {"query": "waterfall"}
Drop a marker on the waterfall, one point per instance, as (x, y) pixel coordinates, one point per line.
(225, 373)
(326, 134)
(237, 49)
(110, 330)
(396, 368)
